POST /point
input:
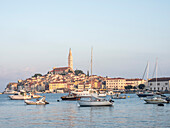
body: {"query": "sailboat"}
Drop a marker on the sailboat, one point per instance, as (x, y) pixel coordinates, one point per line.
(145, 94)
(156, 99)
(94, 99)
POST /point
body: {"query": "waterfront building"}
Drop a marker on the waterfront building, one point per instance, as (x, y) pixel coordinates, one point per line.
(11, 87)
(81, 86)
(115, 83)
(159, 84)
(135, 82)
(57, 85)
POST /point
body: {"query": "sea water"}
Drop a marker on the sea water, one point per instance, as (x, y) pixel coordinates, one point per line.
(125, 113)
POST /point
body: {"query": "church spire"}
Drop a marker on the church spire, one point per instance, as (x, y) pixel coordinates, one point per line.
(70, 59)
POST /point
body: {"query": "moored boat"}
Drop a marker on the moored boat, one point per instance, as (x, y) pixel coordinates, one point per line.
(71, 97)
(118, 96)
(95, 102)
(42, 101)
(34, 95)
(141, 94)
(88, 93)
(22, 95)
(155, 100)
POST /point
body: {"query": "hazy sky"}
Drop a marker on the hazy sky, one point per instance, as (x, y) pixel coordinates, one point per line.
(35, 36)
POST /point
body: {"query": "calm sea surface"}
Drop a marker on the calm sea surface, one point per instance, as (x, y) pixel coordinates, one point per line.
(131, 112)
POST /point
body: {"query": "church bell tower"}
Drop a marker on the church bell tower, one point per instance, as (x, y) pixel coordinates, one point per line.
(70, 59)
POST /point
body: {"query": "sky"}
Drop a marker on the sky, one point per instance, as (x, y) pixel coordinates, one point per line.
(35, 36)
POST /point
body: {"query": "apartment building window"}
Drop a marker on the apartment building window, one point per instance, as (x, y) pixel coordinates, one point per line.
(166, 83)
(150, 83)
(158, 83)
(162, 88)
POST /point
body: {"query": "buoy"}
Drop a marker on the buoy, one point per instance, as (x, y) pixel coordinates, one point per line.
(58, 100)
(160, 104)
(128, 96)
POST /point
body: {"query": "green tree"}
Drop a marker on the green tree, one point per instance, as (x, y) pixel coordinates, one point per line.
(69, 71)
(141, 86)
(77, 72)
(128, 87)
(37, 74)
(134, 87)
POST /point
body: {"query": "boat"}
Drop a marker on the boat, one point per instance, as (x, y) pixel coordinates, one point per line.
(42, 101)
(145, 94)
(155, 100)
(10, 92)
(22, 95)
(88, 93)
(34, 95)
(95, 102)
(71, 97)
(117, 96)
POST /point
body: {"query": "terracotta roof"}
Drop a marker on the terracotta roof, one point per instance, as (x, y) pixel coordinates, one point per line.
(160, 79)
(57, 82)
(114, 78)
(60, 69)
(134, 79)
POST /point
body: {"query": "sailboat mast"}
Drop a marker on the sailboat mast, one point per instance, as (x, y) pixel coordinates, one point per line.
(156, 71)
(147, 73)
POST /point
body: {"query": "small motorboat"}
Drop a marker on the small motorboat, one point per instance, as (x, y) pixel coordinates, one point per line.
(71, 97)
(95, 102)
(117, 96)
(35, 96)
(42, 101)
(145, 94)
(155, 100)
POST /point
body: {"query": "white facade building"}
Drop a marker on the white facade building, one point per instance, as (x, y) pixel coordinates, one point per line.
(161, 84)
(115, 83)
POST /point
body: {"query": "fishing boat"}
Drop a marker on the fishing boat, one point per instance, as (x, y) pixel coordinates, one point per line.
(71, 97)
(42, 101)
(22, 95)
(155, 100)
(95, 102)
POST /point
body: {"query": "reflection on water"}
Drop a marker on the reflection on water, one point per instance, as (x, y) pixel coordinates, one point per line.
(130, 112)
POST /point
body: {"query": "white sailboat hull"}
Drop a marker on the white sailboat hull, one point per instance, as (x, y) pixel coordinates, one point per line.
(94, 103)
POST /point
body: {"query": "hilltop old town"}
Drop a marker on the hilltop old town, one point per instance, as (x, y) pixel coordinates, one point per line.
(64, 79)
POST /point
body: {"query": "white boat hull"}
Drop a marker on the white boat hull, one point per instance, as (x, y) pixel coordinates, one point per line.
(28, 102)
(152, 101)
(94, 103)
(19, 97)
